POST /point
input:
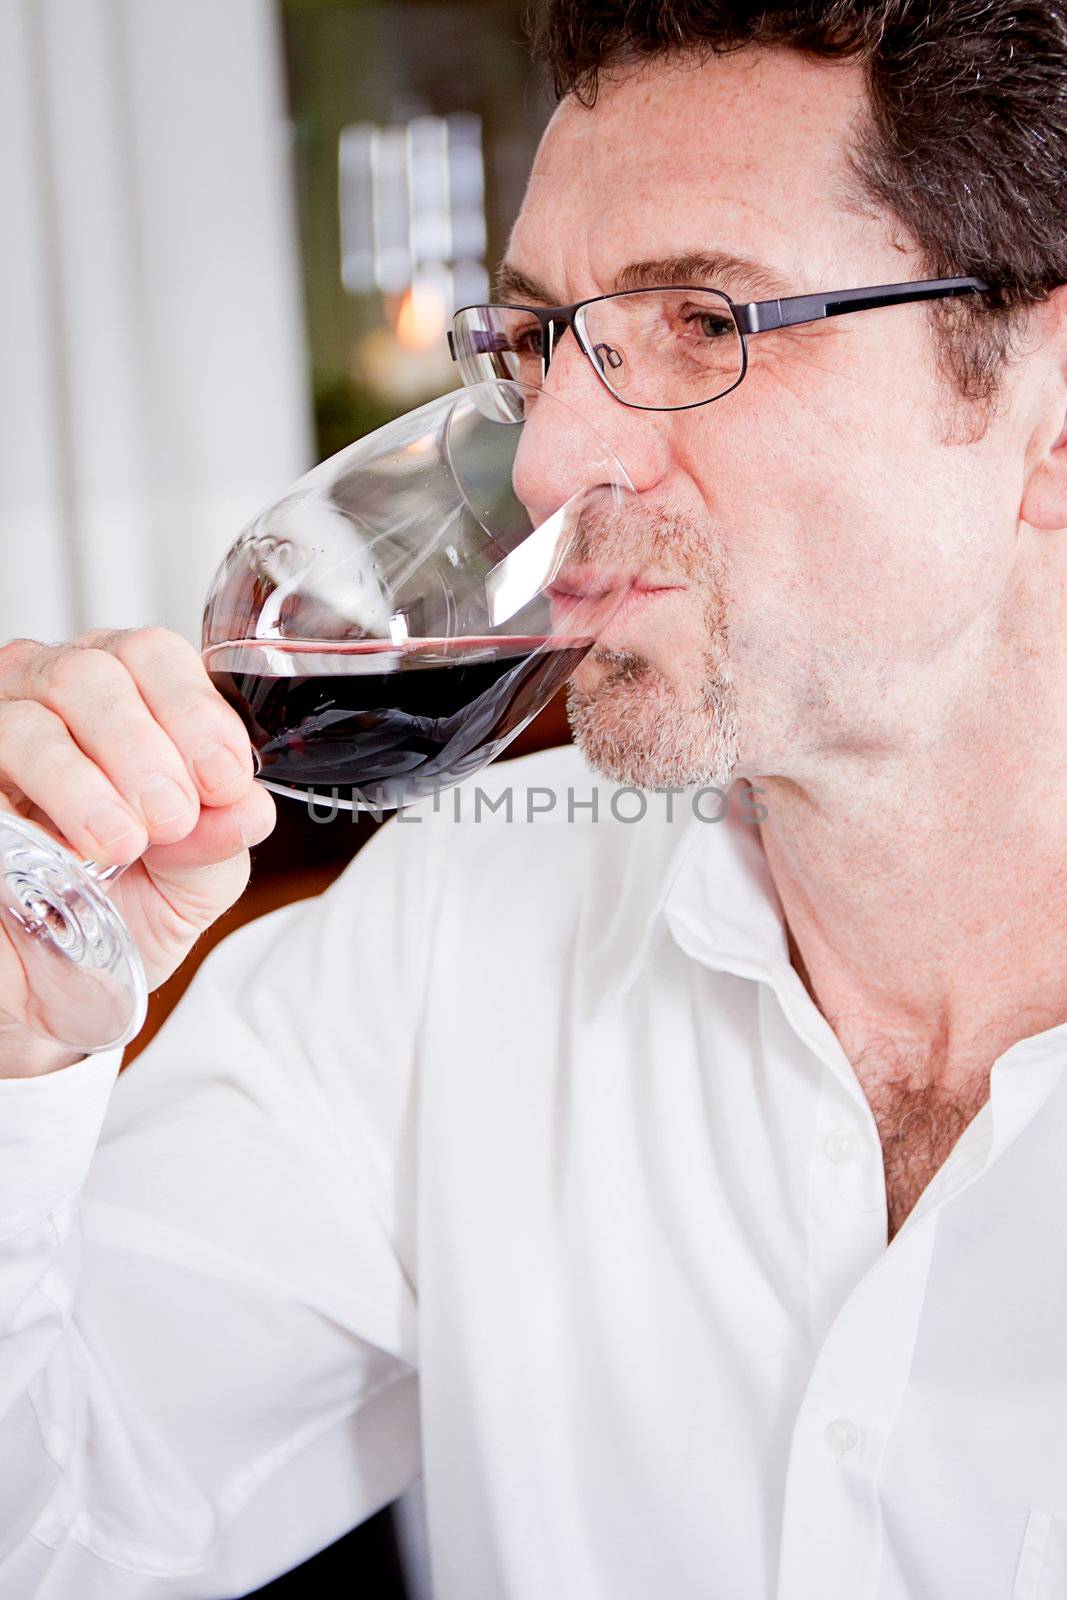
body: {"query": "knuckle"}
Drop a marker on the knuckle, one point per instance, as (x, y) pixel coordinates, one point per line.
(154, 650)
(102, 638)
(74, 670)
(101, 664)
(15, 652)
(17, 659)
(57, 668)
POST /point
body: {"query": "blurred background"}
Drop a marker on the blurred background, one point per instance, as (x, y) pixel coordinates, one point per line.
(235, 231)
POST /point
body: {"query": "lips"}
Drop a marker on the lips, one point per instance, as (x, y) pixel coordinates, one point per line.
(588, 583)
(595, 583)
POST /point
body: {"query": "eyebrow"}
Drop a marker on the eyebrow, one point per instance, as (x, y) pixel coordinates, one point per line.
(721, 269)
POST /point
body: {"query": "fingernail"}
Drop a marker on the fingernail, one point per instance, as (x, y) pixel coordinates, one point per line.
(109, 823)
(216, 765)
(162, 800)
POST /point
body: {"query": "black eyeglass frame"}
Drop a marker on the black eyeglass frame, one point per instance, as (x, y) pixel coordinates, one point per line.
(756, 316)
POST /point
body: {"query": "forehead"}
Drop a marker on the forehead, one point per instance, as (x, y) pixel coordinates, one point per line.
(745, 153)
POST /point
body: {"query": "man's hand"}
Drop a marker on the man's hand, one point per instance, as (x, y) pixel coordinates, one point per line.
(119, 746)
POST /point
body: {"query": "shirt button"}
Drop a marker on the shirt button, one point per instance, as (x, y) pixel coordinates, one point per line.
(841, 1435)
(841, 1144)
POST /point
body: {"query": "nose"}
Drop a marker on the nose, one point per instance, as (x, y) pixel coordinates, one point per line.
(589, 440)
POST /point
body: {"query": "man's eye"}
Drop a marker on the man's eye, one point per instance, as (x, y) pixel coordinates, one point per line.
(710, 325)
(527, 341)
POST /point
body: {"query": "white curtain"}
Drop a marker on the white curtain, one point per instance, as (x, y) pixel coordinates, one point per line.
(153, 383)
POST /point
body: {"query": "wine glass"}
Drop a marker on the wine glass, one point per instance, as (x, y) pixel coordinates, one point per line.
(384, 630)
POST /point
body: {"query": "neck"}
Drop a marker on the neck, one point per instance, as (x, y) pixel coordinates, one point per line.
(926, 896)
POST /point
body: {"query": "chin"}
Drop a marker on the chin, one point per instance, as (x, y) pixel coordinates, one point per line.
(637, 729)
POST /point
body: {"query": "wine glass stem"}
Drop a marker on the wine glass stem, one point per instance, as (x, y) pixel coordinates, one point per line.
(107, 874)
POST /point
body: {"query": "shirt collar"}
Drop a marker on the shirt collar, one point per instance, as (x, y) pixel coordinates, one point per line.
(710, 887)
(713, 891)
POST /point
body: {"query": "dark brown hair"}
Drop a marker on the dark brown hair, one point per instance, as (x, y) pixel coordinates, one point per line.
(965, 143)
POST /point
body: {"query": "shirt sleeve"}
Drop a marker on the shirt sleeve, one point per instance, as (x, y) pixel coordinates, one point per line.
(207, 1268)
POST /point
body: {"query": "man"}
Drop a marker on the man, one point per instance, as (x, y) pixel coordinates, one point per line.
(706, 1180)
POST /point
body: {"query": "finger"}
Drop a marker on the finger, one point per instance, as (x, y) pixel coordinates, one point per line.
(39, 757)
(100, 704)
(220, 832)
(207, 732)
(167, 910)
(202, 875)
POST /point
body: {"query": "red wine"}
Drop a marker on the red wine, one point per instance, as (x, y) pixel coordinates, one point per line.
(395, 721)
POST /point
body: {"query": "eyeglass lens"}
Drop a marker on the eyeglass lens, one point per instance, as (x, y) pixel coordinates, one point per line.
(659, 348)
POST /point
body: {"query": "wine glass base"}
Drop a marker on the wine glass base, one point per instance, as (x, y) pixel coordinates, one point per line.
(85, 984)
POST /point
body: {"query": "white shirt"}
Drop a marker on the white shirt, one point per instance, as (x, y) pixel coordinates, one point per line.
(541, 1114)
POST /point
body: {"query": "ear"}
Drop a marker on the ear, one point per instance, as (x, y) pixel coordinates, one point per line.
(1045, 495)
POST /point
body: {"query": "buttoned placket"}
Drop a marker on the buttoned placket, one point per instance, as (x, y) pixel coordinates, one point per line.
(865, 1306)
(831, 1525)
(866, 1299)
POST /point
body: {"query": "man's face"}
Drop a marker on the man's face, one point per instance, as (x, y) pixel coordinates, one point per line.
(831, 541)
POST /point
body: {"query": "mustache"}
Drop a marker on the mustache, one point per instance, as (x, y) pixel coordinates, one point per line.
(673, 544)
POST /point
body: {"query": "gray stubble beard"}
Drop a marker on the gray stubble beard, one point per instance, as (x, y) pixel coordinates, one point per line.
(636, 730)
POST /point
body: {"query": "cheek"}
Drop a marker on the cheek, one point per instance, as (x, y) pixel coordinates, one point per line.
(870, 539)
(903, 556)
(861, 552)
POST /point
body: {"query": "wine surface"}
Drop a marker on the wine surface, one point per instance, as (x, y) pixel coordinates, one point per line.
(394, 722)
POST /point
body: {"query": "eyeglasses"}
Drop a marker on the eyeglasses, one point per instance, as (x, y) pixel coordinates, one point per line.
(662, 349)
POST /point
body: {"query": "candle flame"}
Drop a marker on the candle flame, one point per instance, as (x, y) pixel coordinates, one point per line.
(421, 317)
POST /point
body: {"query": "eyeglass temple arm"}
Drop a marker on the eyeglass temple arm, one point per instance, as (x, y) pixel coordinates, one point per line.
(761, 316)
